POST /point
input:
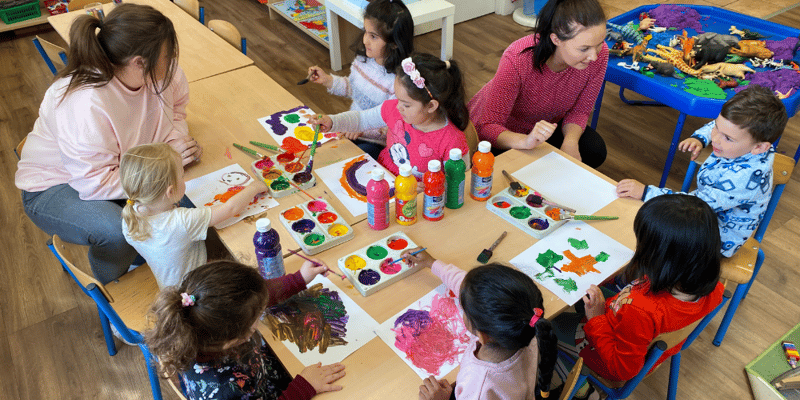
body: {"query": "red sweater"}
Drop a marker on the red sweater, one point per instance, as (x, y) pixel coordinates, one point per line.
(519, 96)
(618, 340)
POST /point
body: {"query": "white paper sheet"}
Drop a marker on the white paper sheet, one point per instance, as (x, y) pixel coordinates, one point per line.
(446, 315)
(564, 182)
(211, 189)
(531, 260)
(359, 329)
(293, 123)
(332, 176)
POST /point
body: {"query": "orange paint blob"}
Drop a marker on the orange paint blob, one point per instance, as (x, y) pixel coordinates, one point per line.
(293, 145)
(580, 266)
(327, 218)
(554, 213)
(293, 214)
(223, 197)
(293, 167)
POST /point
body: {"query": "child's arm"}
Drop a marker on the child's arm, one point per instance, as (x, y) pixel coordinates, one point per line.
(432, 389)
(450, 275)
(351, 121)
(237, 202)
(319, 76)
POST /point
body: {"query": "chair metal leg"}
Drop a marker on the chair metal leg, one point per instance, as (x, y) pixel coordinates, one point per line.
(637, 102)
(672, 148)
(756, 268)
(738, 295)
(52, 248)
(578, 384)
(597, 104)
(112, 347)
(674, 372)
(150, 361)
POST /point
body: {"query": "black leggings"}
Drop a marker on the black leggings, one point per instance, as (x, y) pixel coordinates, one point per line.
(590, 145)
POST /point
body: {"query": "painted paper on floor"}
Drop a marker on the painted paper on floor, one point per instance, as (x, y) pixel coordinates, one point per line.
(321, 324)
(429, 335)
(571, 259)
(219, 186)
(348, 181)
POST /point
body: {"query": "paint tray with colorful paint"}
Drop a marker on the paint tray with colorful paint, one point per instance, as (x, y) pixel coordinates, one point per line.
(371, 268)
(529, 216)
(283, 174)
(316, 226)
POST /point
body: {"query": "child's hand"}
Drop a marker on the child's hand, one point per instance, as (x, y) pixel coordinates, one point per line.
(630, 188)
(325, 123)
(431, 389)
(594, 301)
(321, 376)
(646, 23)
(420, 186)
(539, 134)
(693, 145)
(311, 269)
(318, 75)
(421, 259)
(351, 135)
(260, 184)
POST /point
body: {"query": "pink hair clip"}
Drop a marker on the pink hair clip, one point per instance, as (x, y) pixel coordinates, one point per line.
(187, 300)
(411, 70)
(537, 314)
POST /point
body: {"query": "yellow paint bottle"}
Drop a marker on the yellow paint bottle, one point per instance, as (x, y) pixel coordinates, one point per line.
(405, 196)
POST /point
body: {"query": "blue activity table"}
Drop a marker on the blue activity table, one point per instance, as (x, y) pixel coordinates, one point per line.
(669, 91)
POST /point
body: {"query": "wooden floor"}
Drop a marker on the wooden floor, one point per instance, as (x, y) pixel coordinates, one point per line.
(51, 344)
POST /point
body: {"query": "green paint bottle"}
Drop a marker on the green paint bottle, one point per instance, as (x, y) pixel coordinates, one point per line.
(455, 171)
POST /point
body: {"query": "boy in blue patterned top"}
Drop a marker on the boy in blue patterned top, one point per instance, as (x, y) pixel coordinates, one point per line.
(736, 179)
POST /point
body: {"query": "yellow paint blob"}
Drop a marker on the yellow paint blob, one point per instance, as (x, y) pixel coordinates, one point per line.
(338, 230)
(354, 263)
(304, 133)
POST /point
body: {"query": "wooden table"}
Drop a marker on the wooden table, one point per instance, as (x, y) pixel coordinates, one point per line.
(202, 52)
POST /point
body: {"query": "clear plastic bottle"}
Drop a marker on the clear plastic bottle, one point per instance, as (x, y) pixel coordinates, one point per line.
(482, 170)
(268, 250)
(455, 172)
(434, 192)
(378, 201)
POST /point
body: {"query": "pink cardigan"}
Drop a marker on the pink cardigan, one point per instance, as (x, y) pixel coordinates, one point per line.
(80, 140)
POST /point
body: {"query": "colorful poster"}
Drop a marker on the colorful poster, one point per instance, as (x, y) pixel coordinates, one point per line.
(321, 324)
(429, 335)
(348, 181)
(219, 186)
(571, 259)
(290, 128)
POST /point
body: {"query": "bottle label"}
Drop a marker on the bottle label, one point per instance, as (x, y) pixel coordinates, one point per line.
(434, 206)
(406, 210)
(271, 267)
(377, 216)
(481, 186)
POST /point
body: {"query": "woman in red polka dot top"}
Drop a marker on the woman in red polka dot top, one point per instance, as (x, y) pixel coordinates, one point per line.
(546, 84)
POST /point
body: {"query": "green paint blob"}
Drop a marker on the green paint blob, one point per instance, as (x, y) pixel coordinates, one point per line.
(377, 253)
(567, 284)
(314, 239)
(602, 257)
(549, 258)
(292, 118)
(704, 88)
(279, 184)
(578, 244)
(547, 273)
(520, 212)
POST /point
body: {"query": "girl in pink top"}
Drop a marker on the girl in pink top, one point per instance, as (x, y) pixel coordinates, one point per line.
(121, 88)
(513, 351)
(546, 84)
(425, 121)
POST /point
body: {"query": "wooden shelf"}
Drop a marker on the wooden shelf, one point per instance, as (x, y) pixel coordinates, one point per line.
(273, 9)
(28, 22)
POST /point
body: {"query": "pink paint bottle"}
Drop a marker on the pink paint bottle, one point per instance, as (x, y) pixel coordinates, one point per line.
(378, 201)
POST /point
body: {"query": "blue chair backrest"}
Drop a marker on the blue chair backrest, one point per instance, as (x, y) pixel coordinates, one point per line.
(47, 59)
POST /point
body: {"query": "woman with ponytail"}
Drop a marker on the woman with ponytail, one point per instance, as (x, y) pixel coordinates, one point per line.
(512, 353)
(546, 84)
(121, 88)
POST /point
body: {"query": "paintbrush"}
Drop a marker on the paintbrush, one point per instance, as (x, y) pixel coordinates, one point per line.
(297, 253)
(308, 78)
(248, 151)
(267, 146)
(517, 187)
(589, 217)
(408, 255)
(537, 200)
(313, 148)
(298, 188)
(486, 254)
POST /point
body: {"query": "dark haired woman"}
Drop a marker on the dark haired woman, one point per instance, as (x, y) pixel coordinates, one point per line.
(546, 84)
(121, 88)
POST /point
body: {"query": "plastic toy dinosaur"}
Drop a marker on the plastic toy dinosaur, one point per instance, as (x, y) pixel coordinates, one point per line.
(630, 32)
(687, 44)
(674, 57)
(737, 70)
(746, 34)
(752, 48)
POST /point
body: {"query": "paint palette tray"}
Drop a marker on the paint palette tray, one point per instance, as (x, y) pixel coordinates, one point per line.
(368, 269)
(531, 219)
(316, 226)
(277, 171)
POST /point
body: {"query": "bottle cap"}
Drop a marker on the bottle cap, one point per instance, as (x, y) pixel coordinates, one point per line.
(455, 154)
(263, 224)
(434, 166)
(377, 174)
(405, 170)
(484, 146)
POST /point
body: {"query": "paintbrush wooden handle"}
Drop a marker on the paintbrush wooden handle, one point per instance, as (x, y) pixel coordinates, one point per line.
(508, 176)
(496, 242)
(594, 217)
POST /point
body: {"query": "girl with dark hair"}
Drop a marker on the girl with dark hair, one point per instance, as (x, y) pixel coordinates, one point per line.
(425, 121)
(513, 349)
(121, 88)
(388, 39)
(674, 275)
(205, 331)
(546, 84)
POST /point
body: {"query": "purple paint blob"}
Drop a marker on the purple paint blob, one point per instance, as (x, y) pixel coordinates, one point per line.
(302, 178)
(303, 226)
(350, 175)
(417, 320)
(783, 49)
(781, 80)
(369, 277)
(678, 17)
(274, 121)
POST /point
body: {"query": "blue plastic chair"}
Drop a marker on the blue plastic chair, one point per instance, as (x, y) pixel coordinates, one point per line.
(49, 53)
(659, 345)
(743, 267)
(124, 300)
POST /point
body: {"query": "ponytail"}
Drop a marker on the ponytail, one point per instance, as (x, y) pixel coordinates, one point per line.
(138, 228)
(548, 354)
(443, 82)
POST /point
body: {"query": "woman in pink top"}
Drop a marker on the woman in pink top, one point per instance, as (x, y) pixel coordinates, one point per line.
(122, 88)
(546, 84)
